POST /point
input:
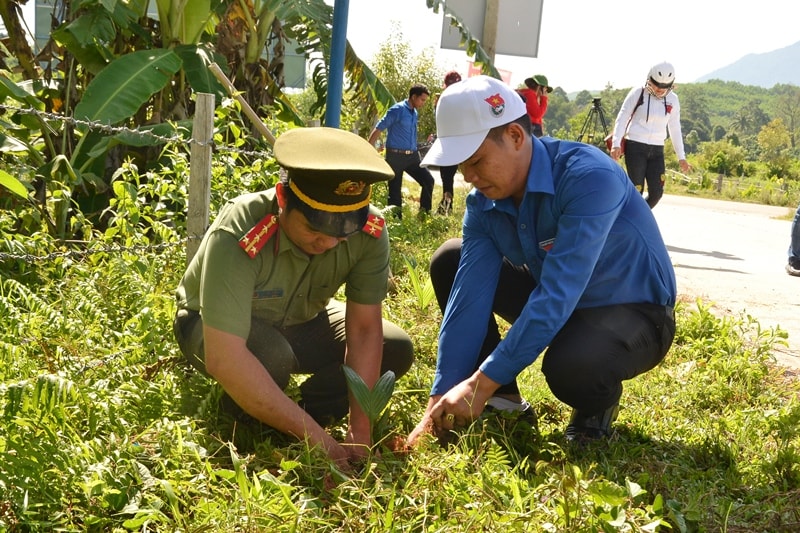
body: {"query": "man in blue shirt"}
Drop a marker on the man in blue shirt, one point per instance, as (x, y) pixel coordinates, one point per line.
(558, 242)
(400, 124)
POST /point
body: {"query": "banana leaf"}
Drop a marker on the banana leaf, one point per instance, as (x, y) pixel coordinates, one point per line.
(196, 60)
(9, 89)
(13, 184)
(182, 21)
(127, 83)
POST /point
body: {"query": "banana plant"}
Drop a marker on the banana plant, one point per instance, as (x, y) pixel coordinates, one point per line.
(17, 44)
(109, 62)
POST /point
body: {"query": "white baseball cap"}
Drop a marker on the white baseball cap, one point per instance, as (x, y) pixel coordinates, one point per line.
(465, 113)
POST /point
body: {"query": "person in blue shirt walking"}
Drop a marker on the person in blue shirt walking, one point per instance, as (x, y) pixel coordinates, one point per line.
(558, 242)
(400, 124)
(793, 264)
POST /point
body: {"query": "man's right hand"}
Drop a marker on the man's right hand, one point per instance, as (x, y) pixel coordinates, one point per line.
(338, 454)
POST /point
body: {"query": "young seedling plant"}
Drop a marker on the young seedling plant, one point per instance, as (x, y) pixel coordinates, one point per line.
(374, 401)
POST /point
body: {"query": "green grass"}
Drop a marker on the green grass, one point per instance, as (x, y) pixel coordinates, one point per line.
(104, 428)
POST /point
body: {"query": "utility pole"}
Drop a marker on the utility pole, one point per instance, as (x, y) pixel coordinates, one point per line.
(333, 102)
(489, 41)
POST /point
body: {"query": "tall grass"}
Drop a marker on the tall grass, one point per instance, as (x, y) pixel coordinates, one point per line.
(104, 428)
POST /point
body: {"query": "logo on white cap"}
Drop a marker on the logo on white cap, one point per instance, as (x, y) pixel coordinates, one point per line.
(497, 103)
(466, 111)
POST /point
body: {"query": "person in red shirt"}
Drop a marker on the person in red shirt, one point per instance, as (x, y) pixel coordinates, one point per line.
(535, 96)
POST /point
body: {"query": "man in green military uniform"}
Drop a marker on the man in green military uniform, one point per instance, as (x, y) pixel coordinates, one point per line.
(256, 302)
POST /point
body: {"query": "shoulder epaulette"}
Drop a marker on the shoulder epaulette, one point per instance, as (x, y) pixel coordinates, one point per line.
(374, 226)
(257, 237)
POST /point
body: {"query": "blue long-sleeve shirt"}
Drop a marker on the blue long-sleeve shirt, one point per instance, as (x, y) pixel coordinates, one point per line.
(589, 240)
(400, 124)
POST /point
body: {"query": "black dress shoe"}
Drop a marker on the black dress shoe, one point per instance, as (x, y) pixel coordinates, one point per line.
(591, 427)
(793, 266)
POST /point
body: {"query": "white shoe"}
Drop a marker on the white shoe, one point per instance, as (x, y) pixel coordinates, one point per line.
(521, 411)
(509, 406)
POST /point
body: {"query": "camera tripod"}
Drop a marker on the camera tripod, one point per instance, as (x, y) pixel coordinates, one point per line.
(594, 119)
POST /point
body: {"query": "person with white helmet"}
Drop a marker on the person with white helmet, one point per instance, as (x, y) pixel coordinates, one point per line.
(647, 115)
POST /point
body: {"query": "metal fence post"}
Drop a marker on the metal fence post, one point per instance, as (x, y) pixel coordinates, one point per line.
(199, 173)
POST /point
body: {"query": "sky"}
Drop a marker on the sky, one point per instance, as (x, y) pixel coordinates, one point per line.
(586, 44)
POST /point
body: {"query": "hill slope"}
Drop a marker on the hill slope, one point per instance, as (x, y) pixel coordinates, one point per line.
(762, 70)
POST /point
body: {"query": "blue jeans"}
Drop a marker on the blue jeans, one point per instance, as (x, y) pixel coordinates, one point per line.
(794, 246)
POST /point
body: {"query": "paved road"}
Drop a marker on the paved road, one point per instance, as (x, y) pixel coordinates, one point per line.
(733, 255)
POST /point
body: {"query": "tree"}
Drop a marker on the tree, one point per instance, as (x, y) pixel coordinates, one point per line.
(583, 99)
(775, 141)
(721, 157)
(396, 65)
(742, 121)
(559, 111)
(787, 108)
(11, 15)
(694, 112)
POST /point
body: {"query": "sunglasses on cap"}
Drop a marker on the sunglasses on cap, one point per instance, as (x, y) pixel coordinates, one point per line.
(339, 225)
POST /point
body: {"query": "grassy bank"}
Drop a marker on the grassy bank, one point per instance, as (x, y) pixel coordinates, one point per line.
(104, 428)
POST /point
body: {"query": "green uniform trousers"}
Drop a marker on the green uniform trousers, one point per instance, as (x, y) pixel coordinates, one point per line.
(315, 347)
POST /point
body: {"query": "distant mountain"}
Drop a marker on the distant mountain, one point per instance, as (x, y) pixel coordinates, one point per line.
(762, 70)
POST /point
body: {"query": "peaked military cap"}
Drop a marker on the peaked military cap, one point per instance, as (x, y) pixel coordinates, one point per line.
(331, 172)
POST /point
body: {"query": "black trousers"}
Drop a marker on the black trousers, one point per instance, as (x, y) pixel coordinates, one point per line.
(448, 175)
(315, 347)
(646, 162)
(409, 163)
(596, 350)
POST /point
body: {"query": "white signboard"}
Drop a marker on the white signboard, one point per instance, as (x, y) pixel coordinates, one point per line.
(518, 25)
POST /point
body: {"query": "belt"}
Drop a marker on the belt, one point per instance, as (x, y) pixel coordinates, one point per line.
(404, 152)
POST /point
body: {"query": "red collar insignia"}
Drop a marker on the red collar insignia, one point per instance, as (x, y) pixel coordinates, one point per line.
(257, 237)
(374, 226)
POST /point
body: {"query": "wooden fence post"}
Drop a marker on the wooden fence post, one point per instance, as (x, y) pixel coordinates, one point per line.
(199, 173)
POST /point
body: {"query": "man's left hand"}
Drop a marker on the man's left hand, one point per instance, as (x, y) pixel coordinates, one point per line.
(463, 403)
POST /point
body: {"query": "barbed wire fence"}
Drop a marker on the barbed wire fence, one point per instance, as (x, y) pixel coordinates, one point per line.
(200, 146)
